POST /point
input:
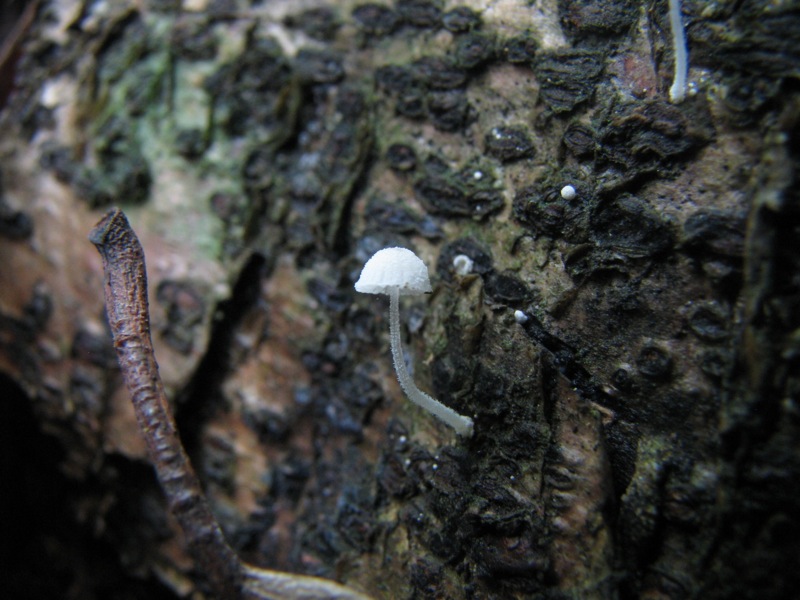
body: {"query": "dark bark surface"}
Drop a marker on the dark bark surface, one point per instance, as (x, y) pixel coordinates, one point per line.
(629, 355)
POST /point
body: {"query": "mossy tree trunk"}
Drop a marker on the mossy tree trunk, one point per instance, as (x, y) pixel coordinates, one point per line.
(629, 353)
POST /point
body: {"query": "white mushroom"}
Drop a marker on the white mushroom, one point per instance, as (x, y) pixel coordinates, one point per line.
(396, 272)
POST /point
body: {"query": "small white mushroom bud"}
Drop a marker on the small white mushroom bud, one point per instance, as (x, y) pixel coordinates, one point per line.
(396, 272)
(462, 264)
(568, 192)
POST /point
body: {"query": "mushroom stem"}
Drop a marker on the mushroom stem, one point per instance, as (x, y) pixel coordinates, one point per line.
(462, 424)
(677, 92)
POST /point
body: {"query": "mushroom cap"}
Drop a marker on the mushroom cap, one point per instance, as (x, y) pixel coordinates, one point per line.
(394, 268)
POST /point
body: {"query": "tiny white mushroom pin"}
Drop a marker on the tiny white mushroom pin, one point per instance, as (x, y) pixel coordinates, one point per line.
(396, 272)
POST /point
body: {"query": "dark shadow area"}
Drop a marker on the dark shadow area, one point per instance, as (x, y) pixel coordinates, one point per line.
(44, 551)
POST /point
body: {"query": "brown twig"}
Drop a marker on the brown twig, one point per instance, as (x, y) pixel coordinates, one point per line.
(128, 316)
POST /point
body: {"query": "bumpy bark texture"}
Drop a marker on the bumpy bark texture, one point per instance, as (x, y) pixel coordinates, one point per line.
(636, 421)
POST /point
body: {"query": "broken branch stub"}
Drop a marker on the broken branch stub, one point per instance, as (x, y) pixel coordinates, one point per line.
(129, 320)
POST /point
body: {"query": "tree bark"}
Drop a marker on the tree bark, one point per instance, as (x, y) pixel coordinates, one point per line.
(628, 353)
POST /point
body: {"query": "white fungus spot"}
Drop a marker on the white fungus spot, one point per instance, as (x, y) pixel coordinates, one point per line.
(520, 317)
(568, 192)
(462, 264)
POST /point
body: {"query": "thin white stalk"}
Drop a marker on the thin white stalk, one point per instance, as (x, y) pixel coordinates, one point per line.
(677, 92)
(462, 424)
